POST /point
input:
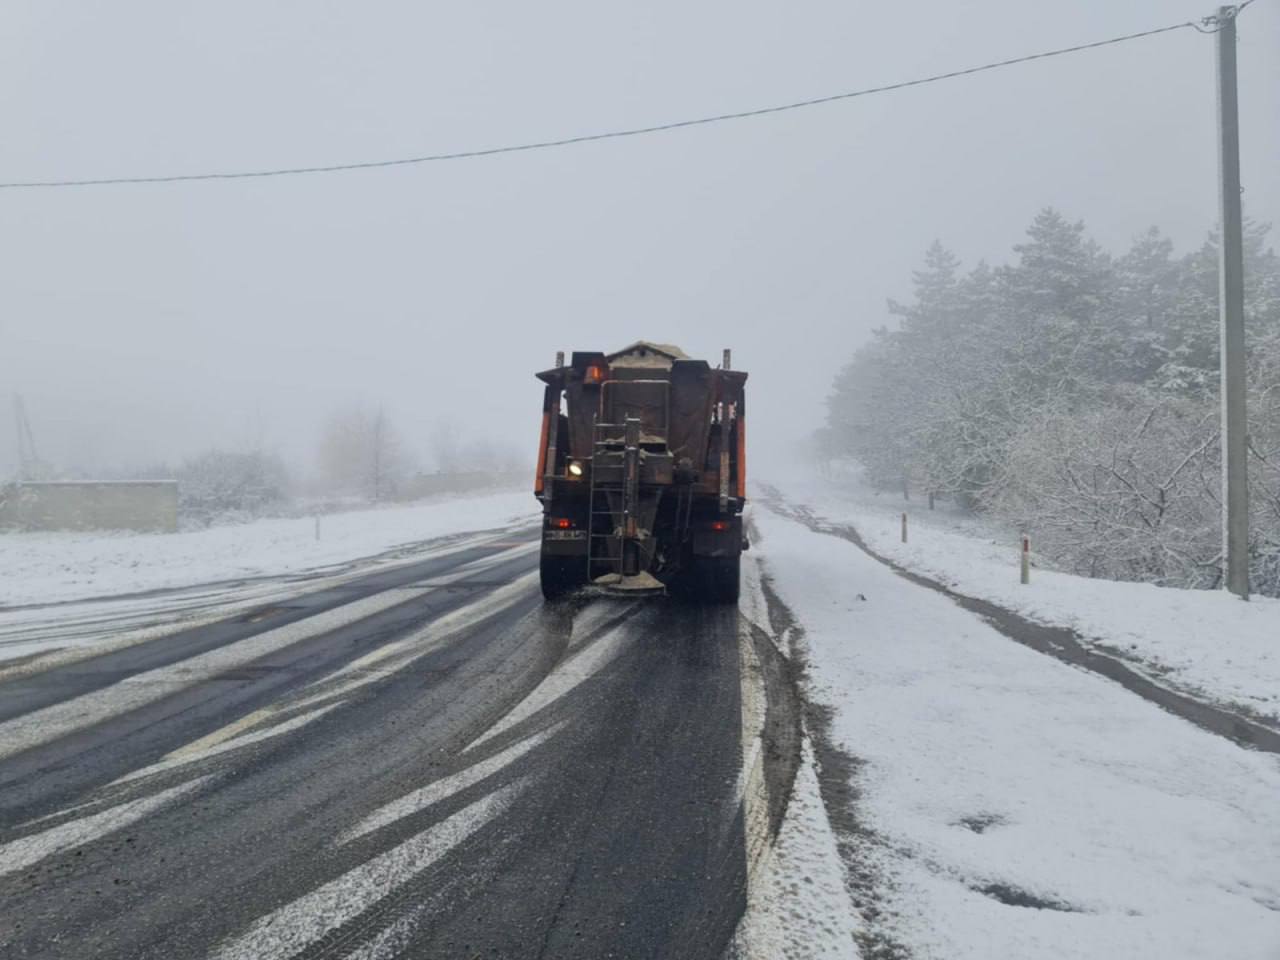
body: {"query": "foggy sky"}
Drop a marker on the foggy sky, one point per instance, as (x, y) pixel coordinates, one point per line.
(145, 323)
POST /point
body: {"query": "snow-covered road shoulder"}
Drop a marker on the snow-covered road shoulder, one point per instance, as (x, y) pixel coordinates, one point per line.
(797, 904)
(1014, 806)
(1205, 643)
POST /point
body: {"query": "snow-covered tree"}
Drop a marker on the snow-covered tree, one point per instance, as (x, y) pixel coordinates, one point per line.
(361, 453)
(1075, 394)
(1124, 489)
(1264, 461)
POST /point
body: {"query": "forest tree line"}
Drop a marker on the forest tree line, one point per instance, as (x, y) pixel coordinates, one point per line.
(1073, 393)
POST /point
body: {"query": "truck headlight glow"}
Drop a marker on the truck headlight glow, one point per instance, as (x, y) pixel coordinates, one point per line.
(575, 468)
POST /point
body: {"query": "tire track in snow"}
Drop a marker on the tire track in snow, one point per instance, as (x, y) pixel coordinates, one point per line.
(87, 710)
(294, 926)
(130, 693)
(70, 631)
(335, 688)
(447, 786)
(582, 664)
(26, 851)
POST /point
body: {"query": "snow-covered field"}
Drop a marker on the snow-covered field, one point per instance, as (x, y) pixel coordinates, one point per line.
(1011, 805)
(57, 567)
(1207, 643)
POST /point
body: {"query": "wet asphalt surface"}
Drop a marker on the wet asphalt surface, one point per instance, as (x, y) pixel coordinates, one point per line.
(465, 771)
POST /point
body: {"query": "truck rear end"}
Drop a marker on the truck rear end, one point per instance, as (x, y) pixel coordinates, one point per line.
(642, 473)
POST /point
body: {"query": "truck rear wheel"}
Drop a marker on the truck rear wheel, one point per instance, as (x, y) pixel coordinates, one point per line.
(562, 575)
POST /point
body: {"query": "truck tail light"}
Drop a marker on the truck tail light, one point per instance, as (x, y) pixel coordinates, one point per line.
(720, 525)
(595, 374)
(562, 523)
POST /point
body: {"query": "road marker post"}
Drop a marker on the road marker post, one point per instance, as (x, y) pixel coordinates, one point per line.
(317, 526)
(1026, 559)
(904, 528)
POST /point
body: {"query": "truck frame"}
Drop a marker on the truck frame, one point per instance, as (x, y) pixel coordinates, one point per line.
(642, 473)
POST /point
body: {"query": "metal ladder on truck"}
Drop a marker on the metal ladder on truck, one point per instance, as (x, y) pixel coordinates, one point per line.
(615, 451)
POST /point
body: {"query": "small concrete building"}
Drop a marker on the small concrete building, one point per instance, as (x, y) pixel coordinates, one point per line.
(146, 506)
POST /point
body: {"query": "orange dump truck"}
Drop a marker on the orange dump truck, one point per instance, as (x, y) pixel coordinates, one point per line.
(642, 473)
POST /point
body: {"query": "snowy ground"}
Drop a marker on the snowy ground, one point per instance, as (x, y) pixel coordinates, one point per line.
(1009, 805)
(57, 567)
(797, 906)
(1206, 643)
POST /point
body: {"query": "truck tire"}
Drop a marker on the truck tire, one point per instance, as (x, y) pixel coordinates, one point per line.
(720, 578)
(561, 576)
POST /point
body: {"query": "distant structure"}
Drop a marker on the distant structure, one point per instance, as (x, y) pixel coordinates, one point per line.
(36, 501)
(142, 506)
(30, 466)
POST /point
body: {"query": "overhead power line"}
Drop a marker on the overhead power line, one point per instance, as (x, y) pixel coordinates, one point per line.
(1207, 25)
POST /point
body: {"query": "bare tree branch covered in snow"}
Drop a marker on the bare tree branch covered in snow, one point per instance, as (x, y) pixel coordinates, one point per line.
(1120, 490)
(1075, 393)
(361, 454)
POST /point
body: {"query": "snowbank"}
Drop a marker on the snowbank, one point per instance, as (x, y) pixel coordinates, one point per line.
(1206, 643)
(797, 905)
(798, 908)
(1014, 806)
(55, 567)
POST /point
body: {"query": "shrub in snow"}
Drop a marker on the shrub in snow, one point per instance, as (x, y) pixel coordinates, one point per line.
(219, 486)
(1124, 489)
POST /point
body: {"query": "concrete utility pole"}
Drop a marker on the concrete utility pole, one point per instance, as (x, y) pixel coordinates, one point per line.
(1235, 472)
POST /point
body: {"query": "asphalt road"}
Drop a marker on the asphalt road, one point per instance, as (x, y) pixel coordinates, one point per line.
(422, 761)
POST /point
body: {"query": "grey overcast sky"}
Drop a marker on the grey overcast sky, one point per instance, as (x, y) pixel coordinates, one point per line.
(149, 322)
